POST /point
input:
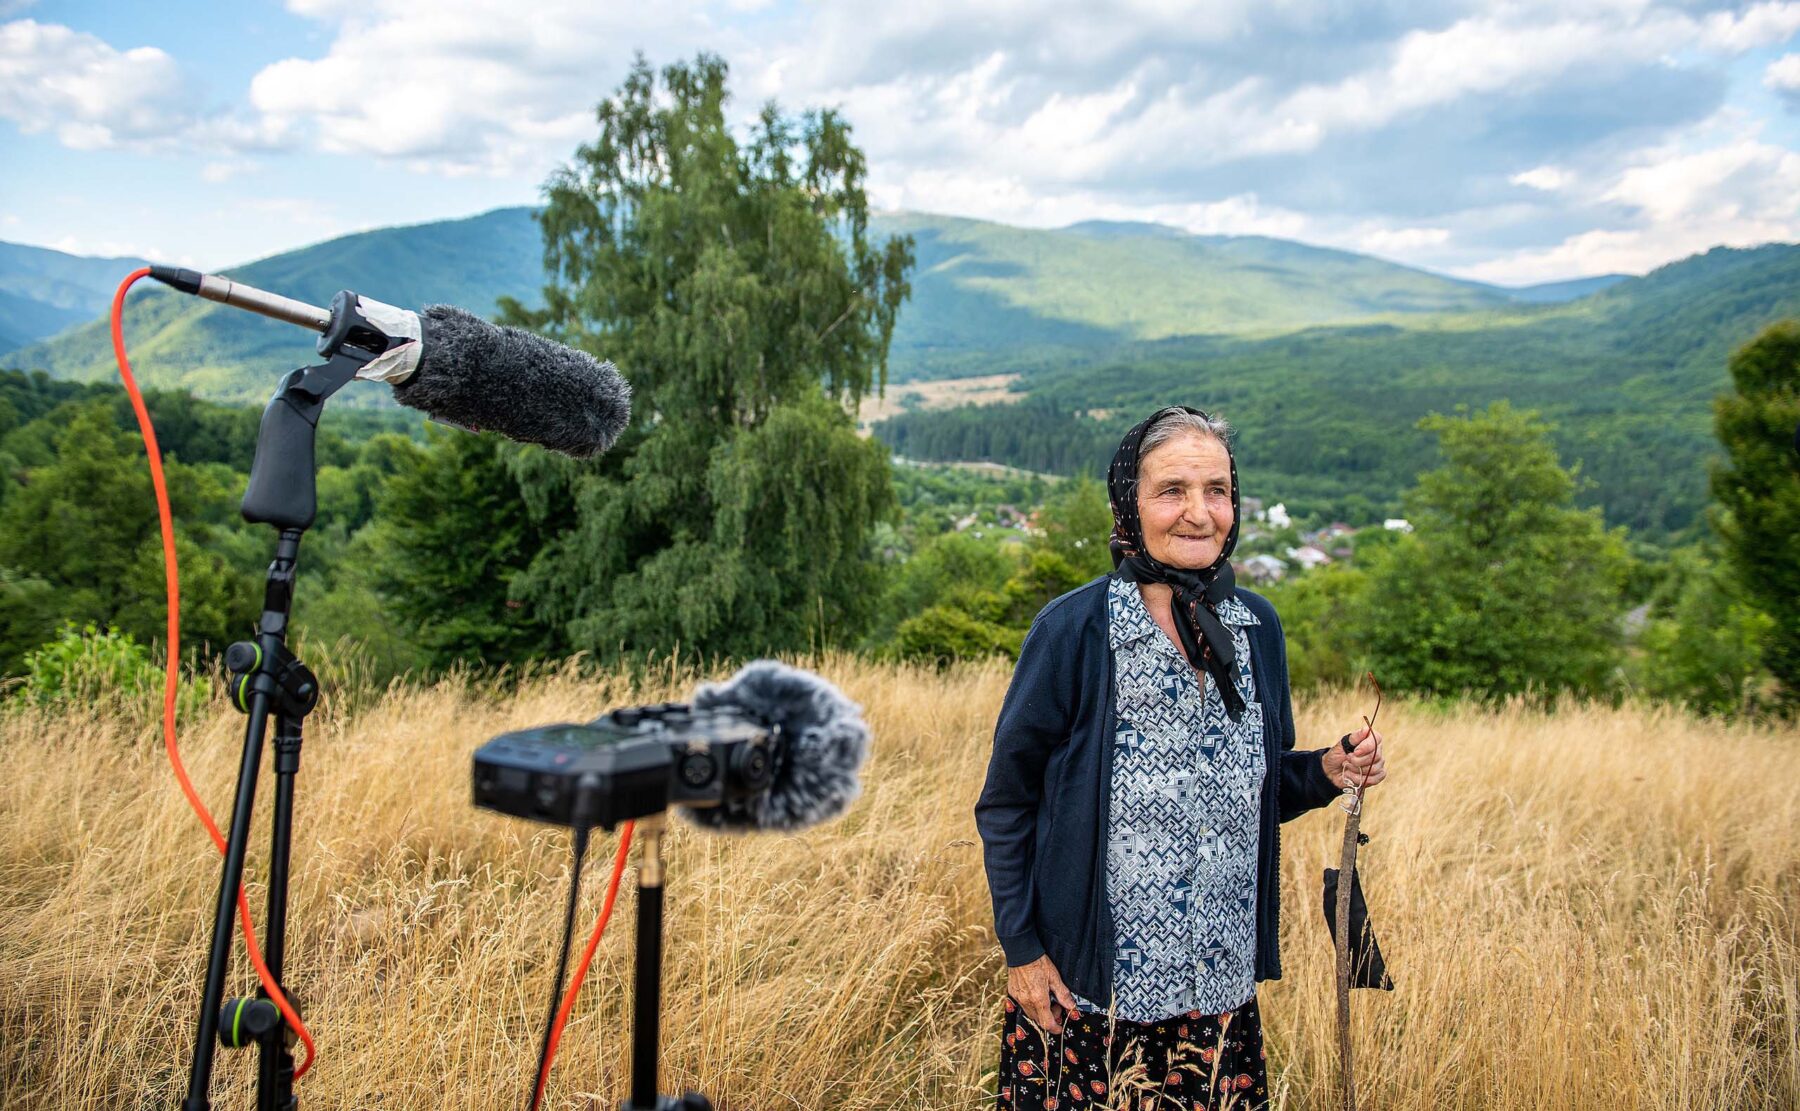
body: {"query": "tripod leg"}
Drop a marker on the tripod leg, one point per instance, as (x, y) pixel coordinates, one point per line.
(646, 1021)
(231, 875)
(275, 1067)
(646, 1024)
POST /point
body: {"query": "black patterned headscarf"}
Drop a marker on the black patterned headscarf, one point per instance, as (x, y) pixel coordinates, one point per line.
(1197, 593)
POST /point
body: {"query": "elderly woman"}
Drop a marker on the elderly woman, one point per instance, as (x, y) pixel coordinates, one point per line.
(1142, 761)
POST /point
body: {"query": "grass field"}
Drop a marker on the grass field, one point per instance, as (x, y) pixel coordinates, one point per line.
(1595, 908)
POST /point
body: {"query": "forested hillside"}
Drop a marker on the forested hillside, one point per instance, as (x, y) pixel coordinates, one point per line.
(1326, 415)
(985, 296)
(1323, 358)
(988, 296)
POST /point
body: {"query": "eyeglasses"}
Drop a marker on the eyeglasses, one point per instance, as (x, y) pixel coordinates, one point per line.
(1352, 796)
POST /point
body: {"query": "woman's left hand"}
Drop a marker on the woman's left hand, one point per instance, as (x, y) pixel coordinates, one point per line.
(1363, 766)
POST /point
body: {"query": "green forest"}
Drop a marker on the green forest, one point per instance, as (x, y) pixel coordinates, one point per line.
(1328, 417)
(1603, 497)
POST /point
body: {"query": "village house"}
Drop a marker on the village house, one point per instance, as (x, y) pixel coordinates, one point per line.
(1309, 556)
(1264, 568)
(1011, 517)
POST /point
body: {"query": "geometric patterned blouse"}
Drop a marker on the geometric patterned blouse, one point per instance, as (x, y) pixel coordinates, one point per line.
(1182, 822)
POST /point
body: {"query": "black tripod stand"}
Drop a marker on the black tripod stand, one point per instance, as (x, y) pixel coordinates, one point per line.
(268, 681)
(646, 1020)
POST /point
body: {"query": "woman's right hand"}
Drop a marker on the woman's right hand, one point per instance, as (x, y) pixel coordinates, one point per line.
(1039, 989)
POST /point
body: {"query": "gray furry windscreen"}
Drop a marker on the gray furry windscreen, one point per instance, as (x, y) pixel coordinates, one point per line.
(490, 377)
(826, 742)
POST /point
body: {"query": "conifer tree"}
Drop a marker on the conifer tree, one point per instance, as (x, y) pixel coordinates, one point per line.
(1757, 489)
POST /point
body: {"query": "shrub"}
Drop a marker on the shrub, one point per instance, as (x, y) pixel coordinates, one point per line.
(943, 634)
(101, 667)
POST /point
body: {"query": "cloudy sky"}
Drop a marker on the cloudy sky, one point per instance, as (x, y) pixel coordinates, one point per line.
(1510, 142)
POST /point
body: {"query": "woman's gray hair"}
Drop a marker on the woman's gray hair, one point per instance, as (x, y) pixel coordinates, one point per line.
(1179, 423)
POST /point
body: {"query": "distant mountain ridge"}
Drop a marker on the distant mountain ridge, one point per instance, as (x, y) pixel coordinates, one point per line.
(43, 292)
(1557, 292)
(985, 296)
(1325, 359)
(228, 354)
(984, 292)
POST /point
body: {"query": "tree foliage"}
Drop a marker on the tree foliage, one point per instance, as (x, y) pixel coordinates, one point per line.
(1706, 650)
(1505, 586)
(967, 595)
(946, 570)
(942, 634)
(1757, 489)
(451, 538)
(79, 539)
(1320, 611)
(735, 286)
(1076, 521)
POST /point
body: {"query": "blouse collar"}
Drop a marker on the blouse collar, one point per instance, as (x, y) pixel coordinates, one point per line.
(1128, 620)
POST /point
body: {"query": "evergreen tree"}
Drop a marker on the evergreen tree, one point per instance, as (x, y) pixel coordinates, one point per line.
(1504, 586)
(79, 542)
(737, 290)
(449, 541)
(1757, 488)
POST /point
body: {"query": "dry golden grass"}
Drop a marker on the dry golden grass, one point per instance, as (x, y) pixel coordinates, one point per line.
(1594, 908)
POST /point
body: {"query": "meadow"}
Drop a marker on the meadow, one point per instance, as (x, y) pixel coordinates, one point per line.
(1587, 907)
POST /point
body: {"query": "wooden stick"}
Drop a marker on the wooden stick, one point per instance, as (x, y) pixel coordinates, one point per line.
(1346, 876)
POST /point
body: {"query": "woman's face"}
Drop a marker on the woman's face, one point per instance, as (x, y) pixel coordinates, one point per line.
(1184, 501)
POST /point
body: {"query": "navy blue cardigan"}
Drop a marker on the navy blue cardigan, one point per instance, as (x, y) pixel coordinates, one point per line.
(1043, 811)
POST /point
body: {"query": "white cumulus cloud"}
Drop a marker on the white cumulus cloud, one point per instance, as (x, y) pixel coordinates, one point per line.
(1738, 193)
(90, 95)
(1510, 138)
(94, 96)
(1546, 178)
(1783, 76)
(1759, 25)
(464, 86)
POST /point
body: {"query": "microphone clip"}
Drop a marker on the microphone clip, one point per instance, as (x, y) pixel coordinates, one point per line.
(352, 327)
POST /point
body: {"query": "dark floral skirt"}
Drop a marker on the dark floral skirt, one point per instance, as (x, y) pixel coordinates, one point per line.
(1194, 1062)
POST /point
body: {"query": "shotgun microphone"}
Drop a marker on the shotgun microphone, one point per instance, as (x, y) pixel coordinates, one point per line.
(453, 365)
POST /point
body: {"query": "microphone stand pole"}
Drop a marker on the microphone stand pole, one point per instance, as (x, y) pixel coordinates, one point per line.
(268, 681)
(647, 999)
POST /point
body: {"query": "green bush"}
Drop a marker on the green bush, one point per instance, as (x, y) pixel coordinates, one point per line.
(1318, 612)
(942, 634)
(102, 668)
(1708, 653)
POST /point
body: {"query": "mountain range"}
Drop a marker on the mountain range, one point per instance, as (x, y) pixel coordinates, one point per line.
(985, 295)
(43, 292)
(1324, 359)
